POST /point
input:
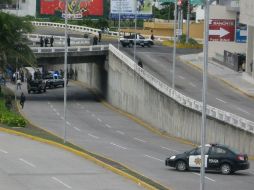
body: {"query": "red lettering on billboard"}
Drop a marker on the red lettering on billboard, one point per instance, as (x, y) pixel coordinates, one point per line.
(84, 7)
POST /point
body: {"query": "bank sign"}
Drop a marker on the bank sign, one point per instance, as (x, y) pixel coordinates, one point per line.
(128, 9)
(222, 30)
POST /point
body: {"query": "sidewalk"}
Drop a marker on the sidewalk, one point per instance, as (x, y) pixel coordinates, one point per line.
(232, 78)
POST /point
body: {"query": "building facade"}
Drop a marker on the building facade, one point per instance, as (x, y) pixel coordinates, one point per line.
(247, 17)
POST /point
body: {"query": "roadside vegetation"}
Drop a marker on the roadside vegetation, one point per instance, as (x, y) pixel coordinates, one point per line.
(181, 43)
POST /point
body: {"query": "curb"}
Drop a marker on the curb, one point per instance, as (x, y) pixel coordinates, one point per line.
(195, 66)
(85, 155)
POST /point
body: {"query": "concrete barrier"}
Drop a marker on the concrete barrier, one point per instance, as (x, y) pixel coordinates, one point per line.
(130, 88)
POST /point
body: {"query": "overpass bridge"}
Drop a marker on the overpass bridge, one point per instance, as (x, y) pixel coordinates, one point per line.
(132, 89)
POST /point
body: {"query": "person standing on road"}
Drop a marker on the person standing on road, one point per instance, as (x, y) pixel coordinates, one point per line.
(46, 41)
(22, 100)
(68, 40)
(99, 36)
(51, 41)
(41, 41)
(18, 84)
(95, 40)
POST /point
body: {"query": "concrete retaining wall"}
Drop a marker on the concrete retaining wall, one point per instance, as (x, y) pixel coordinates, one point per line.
(124, 88)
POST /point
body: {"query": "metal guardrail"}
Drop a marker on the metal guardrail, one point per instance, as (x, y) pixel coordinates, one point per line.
(58, 40)
(70, 49)
(213, 112)
(85, 29)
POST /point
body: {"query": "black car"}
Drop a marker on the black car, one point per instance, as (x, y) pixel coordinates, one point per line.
(53, 81)
(217, 158)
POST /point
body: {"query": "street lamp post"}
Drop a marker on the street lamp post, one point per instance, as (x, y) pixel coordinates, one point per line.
(174, 50)
(204, 96)
(65, 67)
(135, 39)
(119, 22)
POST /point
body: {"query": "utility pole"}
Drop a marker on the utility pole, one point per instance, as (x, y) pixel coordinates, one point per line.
(174, 49)
(188, 22)
(65, 67)
(135, 39)
(119, 21)
(204, 96)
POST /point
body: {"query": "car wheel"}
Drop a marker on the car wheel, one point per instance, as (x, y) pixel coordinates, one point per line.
(226, 169)
(181, 165)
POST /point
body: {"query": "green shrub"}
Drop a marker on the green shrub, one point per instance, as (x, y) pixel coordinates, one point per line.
(10, 118)
(181, 43)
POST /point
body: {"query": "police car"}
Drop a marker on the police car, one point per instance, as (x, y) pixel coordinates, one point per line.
(217, 158)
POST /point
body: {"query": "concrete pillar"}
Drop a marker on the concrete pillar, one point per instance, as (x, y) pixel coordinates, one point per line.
(249, 52)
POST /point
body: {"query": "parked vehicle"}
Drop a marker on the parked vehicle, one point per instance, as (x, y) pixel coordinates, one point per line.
(129, 40)
(217, 158)
(36, 85)
(53, 81)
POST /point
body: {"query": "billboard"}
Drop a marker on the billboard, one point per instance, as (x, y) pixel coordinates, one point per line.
(128, 8)
(78, 8)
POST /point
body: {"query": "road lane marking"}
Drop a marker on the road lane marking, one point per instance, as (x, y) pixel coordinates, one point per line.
(57, 113)
(82, 107)
(153, 158)
(61, 182)
(122, 147)
(26, 162)
(51, 106)
(54, 109)
(93, 115)
(98, 119)
(244, 111)
(181, 77)
(221, 100)
(205, 177)
(76, 128)
(48, 103)
(120, 132)
(68, 123)
(87, 111)
(140, 140)
(62, 118)
(3, 151)
(93, 136)
(108, 126)
(170, 149)
(193, 85)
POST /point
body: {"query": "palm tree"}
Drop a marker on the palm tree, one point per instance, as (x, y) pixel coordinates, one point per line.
(13, 44)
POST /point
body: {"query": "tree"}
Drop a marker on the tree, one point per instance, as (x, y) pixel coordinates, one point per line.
(13, 44)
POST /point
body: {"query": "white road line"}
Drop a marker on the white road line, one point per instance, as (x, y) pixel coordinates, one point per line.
(51, 106)
(108, 126)
(87, 111)
(118, 146)
(26, 162)
(78, 104)
(76, 128)
(93, 115)
(140, 140)
(68, 123)
(153, 158)
(57, 113)
(193, 85)
(48, 103)
(205, 177)
(82, 107)
(93, 136)
(181, 77)
(120, 132)
(221, 100)
(98, 119)
(3, 151)
(244, 111)
(62, 118)
(54, 109)
(59, 181)
(170, 149)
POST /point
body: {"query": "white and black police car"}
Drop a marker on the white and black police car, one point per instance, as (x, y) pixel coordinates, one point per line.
(217, 158)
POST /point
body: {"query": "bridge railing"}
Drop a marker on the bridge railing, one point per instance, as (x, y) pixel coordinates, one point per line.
(213, 112)
(70, 49)
(90, 30)
(58, 40)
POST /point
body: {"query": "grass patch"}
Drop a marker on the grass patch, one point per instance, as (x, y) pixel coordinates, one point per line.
(193, 44)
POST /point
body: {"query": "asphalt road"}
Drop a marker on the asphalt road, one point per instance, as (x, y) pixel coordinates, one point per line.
(158, 61)
(27, 164)
(98, 129)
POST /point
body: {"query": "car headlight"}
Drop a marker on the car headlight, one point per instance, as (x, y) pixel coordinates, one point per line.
(172, 157)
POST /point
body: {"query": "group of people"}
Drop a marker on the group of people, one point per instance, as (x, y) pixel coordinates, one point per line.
(96, 39)
(46, 41)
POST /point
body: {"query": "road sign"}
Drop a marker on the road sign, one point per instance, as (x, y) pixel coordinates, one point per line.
(222, 30)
